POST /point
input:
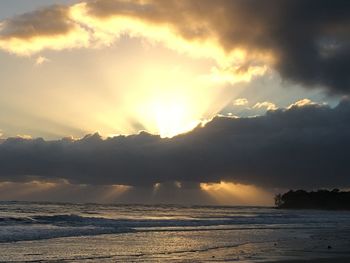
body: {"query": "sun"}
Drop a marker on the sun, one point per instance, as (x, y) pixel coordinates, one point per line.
(174, 117)
(158, 91)
(169, 100)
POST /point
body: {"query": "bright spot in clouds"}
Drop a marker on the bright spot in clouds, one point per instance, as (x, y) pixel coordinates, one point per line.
(41, 60)
(266, 104)
(240, 102)
(230, 193)
(173, 117)
(302, 103)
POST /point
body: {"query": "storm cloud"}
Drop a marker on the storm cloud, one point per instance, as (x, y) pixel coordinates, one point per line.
(302, 146)
(307, 40)
(310, 39)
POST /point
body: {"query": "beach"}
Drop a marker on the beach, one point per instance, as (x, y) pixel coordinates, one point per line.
(318, 260)
(52, 232)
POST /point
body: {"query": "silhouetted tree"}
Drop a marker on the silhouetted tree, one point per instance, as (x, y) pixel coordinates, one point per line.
(278, 200)
(321, 199)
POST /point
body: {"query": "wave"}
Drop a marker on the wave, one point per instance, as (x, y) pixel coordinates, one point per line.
(11, 234)
(72, 220)
(15, 220)
(13, 229)
(70, 225)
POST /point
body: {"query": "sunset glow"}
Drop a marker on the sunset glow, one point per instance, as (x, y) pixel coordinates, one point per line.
(174, 130)
(164, 98)
(97, 92)
(228, 193)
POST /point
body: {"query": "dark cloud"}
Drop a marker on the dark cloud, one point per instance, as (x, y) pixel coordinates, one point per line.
(50, 21)
(309, 38)
(304, 146)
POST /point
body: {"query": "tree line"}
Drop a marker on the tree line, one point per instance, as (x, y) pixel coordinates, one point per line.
(320, 199)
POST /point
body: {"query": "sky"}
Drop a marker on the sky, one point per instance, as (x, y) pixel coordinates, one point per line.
(205, 102)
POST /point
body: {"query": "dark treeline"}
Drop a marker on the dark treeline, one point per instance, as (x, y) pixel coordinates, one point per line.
(321, 199)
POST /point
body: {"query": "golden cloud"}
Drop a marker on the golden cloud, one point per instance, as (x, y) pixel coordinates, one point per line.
(97, 24)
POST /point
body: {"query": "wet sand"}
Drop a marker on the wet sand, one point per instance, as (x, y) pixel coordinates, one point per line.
(322, 260)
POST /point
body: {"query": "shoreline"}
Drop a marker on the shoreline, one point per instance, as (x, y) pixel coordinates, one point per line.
(315, 260)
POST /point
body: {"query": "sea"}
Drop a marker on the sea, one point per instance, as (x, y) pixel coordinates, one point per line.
(60, 232)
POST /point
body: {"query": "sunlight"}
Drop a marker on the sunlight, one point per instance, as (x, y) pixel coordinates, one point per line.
(227, 193)
(173, 117)
(154, 79)
(112, 192)
(171, 120)
(167, 99)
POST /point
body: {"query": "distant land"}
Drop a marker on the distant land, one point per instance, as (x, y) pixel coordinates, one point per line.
(321, 199)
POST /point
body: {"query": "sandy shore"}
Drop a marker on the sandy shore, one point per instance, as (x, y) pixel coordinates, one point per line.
(323, 260)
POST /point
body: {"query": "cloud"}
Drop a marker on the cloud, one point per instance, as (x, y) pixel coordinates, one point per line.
(243, 108)
(303, 146)
(50, 21)
(302, 103)
(46, 28)
(24, 136)
(306, 41)
(266, 104)
(61, 191)
(240, 102)
(41, 60)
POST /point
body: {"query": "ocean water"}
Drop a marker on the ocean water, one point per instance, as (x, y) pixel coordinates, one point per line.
(44, 232)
